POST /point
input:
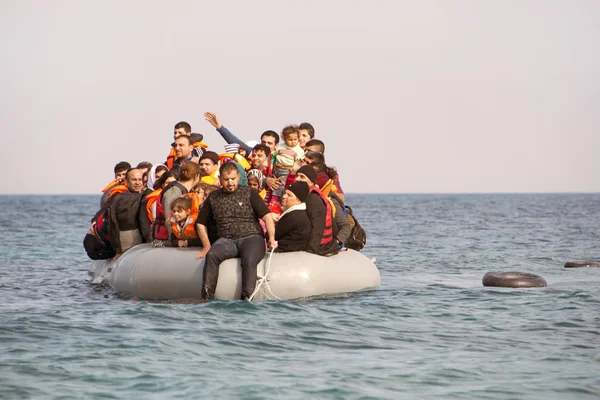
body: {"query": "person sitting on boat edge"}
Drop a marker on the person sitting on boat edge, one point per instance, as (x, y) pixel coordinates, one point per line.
(319, 210)
(292, 229)
(184, 129)
(119, 170)
(161, 228)
(325, 182)
(115, 227)
(236, 210)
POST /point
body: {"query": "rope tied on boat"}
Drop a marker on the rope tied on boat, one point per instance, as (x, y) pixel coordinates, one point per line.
(263, 280)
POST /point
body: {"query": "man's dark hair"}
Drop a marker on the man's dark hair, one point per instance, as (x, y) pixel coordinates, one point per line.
(273, 134)
(228, 166)
(122, 166)
(316, 143)
(188, 138)
(186, 127)
(262, 147)
(314, 156)
(321, 167)
(309, 128)
(144, 165)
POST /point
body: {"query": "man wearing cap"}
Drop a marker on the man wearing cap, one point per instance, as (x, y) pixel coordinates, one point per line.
(292, 231)
(209, 167)
(236, 210)
(320, 213)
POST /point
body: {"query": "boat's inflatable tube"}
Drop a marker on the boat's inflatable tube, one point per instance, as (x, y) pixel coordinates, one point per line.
(582, 264)
(172, 273)
(513, 280)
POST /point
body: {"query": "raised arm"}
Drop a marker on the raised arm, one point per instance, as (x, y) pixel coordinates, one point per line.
(225, 133)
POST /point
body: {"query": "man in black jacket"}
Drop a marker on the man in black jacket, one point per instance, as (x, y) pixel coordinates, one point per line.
(236, 210)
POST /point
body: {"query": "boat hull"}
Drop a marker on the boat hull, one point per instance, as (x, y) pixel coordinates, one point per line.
(173, 273)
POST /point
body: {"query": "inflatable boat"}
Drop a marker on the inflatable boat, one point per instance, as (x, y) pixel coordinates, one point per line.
(175, 273)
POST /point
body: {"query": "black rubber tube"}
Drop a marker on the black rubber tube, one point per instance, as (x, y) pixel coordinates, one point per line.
(513, 280)
(582, 264)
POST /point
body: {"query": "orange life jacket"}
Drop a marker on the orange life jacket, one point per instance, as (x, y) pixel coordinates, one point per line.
(328, 231)
(236, 157)
(117, 189)
(151, 198)
(110, 185)
(329, 187)
(172, 156)
(189, 229)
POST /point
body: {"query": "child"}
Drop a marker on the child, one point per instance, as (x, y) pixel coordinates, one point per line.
(256, 180)
(184, 211)
(286, 154)
(203, 190)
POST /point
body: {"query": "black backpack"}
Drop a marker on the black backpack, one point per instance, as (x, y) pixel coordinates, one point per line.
(358, 236)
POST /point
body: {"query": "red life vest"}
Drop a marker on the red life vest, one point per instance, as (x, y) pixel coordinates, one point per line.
(172, 156)
(328, 231)
(159, 230)
(189, 230)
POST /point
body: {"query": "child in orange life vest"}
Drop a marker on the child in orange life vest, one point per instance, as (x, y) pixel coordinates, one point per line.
(184, 211)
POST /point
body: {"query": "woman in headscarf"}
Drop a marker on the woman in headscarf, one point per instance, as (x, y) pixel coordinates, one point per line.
(292, 230)
(154, 175)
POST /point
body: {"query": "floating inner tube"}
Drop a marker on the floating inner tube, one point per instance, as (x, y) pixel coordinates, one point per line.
(582, 264)
(513, 279)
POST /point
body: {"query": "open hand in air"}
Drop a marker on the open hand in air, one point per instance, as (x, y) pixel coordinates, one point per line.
(213, 119)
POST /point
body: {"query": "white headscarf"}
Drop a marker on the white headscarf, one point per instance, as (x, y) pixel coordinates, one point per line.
(152, 175)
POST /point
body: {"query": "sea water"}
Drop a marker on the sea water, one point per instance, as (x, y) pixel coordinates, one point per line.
(430, 331)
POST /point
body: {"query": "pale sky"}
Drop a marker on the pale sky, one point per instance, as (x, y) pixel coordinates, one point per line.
(408, 96)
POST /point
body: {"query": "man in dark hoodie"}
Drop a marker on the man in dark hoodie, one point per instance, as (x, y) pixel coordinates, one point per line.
(320, 212)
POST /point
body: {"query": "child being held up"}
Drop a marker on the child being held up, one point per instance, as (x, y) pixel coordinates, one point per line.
(286, 154)
(184, 212)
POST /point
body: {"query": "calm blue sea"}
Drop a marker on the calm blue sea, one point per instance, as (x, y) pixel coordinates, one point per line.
(432, 331)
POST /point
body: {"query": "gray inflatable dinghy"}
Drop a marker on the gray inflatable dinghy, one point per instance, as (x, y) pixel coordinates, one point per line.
(171, 273)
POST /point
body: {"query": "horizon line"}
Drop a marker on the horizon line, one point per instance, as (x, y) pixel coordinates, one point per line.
(347, 193)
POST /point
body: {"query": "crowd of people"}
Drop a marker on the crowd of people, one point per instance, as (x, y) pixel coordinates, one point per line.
(278, 194)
